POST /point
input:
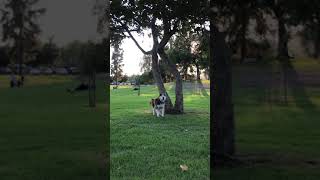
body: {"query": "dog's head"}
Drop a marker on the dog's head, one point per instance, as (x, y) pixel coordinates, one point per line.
(162, 98)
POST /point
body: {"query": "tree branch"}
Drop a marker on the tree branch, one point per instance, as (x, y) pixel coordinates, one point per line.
(134, 40)
(164, 40)
(154, 32)
(168, 33)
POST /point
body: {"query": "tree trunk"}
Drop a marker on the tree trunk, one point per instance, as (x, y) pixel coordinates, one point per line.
(199, 83)
(116, 76)
(185, 73)
(20, 58)
(244, 25)
(156, 70)
(283, 54)
(198, 73)
(94, 88)
(91, 89)
(317, 44)
(155, 64)
(283, 36)
(198, 80)
(285, 66)
(20, 49)
(178, 105)
(222, 126)
(159, 81)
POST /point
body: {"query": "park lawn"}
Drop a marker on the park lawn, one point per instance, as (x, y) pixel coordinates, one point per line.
(276, 141)
(146, 147)
(47, 133)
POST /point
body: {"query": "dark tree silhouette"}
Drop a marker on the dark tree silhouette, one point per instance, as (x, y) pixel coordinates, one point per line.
(19, 23)
(117, 63)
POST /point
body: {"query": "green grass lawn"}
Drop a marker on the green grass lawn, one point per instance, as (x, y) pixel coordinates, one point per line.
(146, 147)
(278, 141)
(48, 134)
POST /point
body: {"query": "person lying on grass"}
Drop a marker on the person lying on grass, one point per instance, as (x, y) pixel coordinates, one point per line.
(80, 87)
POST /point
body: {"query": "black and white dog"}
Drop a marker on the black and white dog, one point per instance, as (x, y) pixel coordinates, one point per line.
(158, 105)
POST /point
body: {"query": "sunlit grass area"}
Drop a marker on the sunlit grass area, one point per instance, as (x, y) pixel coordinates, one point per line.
(146, 147)
(47, 133)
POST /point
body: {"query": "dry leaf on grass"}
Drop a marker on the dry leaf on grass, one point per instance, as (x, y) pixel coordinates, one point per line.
(184, 167)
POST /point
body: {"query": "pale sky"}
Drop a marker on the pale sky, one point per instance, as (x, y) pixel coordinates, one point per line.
(67, 20)
(132, 56)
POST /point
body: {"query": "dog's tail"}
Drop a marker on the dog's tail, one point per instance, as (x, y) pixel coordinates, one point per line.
(152, 102)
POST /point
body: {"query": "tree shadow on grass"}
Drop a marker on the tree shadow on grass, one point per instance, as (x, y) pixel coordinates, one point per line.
(298, 90)
(299, 96)
(202, 88)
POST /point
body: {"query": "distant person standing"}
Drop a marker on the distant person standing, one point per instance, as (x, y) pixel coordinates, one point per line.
(13, 80)
(22, 80)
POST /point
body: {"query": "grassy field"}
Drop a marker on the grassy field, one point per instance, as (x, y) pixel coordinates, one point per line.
(146, 147)
(48, 134)
(277, 141)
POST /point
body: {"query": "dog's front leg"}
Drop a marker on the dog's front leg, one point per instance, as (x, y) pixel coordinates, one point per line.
(163, 108)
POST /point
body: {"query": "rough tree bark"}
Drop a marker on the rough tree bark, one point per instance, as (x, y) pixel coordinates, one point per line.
(283, 36)
(198, 72)
(283, 54)
(317, 44)
(20, 42)
(156, 69)
(168, 32)
(222, 126)
(159, 81)
(92, 89)
(20, 51)
(178, 105)
(244, 25)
